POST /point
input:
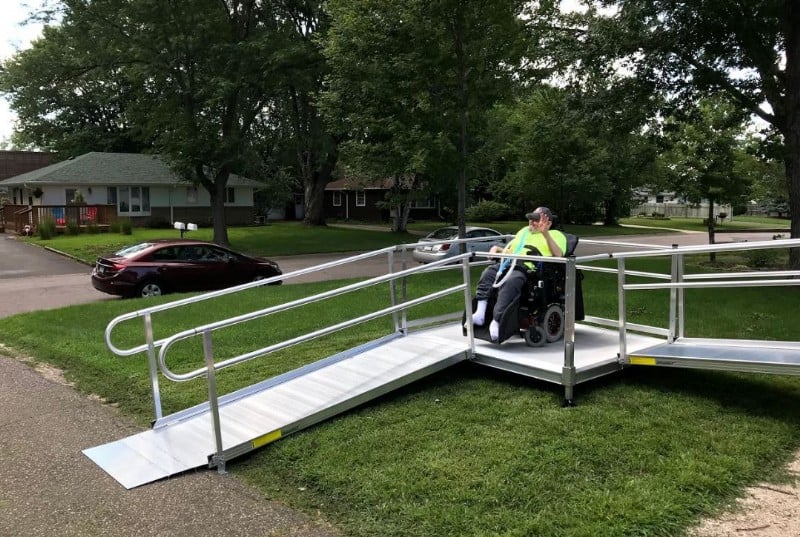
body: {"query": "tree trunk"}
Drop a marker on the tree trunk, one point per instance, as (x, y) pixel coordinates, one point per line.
(315, 189)
(218, 215)
(315, 201)
(216, 192)
(712, 257)
(792, 129)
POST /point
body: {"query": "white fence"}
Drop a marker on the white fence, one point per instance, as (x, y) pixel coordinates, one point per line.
(680, 210)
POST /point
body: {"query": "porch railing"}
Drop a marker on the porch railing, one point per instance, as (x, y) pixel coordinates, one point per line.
(16, 217)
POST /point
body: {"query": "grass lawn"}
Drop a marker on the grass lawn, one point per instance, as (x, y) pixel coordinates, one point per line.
(292, 238)
(739, 223)
(471, 451)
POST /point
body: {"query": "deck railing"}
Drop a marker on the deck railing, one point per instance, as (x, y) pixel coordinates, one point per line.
(17, 217)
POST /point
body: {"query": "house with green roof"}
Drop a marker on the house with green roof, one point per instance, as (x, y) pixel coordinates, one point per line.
(135, 186)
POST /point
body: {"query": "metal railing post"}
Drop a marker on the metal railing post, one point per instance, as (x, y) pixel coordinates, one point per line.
(393, 290)
(568, 373)
(213, 401)
(404, 290)
(673, 298)
(681, 298)
(623, 351)
(466, 273)
(152, 365)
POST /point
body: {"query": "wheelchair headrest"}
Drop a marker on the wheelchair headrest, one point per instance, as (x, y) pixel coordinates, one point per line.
(572, 243)
(533, 250)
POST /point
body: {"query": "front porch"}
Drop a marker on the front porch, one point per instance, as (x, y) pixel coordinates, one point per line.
(15, 218)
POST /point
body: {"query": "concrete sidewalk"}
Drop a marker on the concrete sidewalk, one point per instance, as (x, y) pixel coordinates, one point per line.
(50, 488)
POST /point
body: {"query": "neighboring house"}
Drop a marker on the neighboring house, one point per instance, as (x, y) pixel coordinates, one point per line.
(349, 199)
(139, 187)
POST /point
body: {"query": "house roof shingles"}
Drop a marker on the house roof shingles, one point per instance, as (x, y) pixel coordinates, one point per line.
(109, 169)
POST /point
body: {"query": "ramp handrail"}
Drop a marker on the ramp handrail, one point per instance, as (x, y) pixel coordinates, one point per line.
(678, 282)
(168, 342)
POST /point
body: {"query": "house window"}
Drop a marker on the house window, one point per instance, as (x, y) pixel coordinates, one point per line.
(69, 194)
(111, 195)
(230, 195)
(427, 203)
(134, 200)
(337, 198)
(191, 194)
(361, 198)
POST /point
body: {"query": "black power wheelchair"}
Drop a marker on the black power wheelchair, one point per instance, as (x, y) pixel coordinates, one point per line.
(538, 313)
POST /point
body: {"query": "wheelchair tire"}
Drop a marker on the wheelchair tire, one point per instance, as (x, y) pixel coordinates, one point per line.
(534, 336)
(553, 323)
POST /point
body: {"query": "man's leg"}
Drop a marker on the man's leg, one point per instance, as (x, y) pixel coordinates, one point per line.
(507, 293)
(483, 292)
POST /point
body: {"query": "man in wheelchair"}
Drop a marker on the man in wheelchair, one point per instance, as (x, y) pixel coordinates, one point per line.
(501, 284)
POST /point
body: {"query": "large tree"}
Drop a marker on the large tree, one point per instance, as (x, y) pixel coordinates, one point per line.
(748, 49)
(199, 75)
(412, 78)
(579, 152)
(702, 158)
(63, 102)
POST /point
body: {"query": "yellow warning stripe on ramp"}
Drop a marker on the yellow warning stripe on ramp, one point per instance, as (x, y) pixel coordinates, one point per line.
(265, 439)
(642, 360)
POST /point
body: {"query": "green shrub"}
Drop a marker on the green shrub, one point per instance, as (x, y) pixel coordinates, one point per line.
(92, 228)
(72, 228)
(488, 211)
(761, 258)
(125, 226)
(159, 223)
(47, 228)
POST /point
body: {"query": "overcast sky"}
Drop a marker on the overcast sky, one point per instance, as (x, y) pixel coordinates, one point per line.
(15, 36)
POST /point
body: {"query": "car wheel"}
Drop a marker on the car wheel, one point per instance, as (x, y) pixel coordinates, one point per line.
(150, 288)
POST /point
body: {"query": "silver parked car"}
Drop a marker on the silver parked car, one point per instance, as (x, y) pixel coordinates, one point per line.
(480, 239)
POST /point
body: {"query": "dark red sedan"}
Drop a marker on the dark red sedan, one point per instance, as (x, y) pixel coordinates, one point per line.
(172, 266)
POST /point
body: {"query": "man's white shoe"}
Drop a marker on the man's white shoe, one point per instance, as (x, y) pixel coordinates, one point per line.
(479, 317)
(494, 331)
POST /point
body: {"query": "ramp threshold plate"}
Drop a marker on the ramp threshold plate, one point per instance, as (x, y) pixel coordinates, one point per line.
(781, 358)
(264, 416)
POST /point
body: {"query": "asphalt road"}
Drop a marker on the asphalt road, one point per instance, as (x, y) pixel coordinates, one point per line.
(32, 278)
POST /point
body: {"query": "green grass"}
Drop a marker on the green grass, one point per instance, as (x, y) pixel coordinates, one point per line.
(282, 238)
(293, 238)
(471, 451)
(739, 223)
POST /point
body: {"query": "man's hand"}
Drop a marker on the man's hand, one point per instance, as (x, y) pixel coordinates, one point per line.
(543, 224)
(494, 250)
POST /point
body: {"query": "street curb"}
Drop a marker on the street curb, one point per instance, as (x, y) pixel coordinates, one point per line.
(70, 256)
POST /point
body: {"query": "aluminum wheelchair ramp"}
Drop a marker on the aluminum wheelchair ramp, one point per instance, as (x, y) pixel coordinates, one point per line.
(260, 414)
(750, 356)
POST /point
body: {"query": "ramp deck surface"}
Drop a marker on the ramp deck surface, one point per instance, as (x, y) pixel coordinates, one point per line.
(257, 417)
(776, 357)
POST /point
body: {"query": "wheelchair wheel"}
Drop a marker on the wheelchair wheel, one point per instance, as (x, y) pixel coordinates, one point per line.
(534, 336)
(553, 323)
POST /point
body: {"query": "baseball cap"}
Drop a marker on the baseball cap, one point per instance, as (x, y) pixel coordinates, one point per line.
(538, 212)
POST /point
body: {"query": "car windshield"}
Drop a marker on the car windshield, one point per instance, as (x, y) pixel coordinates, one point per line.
(130, 251)
(444, 233)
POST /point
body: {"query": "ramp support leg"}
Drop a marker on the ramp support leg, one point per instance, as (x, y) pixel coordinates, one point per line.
(217, 459)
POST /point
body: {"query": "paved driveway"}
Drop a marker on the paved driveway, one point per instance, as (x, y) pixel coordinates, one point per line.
(32, 278)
